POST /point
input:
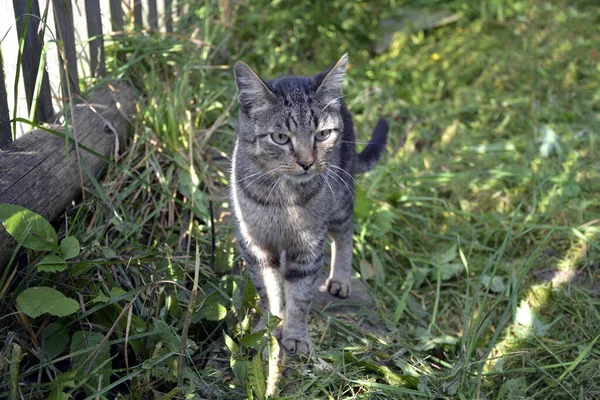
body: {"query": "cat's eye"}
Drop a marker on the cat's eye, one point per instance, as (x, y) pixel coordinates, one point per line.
(322, 135)
(280, 138)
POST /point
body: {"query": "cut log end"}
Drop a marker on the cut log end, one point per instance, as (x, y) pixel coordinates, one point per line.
(35, 171)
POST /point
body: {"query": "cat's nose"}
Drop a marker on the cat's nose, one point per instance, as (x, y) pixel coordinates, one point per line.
(305, 164)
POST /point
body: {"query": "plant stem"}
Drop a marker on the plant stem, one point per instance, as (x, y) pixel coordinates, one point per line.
(14, 372)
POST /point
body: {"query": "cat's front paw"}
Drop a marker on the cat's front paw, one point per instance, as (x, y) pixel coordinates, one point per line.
(337, 288)
(296, 345)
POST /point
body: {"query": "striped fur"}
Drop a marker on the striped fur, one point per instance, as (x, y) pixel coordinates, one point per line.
(287, 196)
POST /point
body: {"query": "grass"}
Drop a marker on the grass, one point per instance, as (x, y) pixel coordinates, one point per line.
(477, 235)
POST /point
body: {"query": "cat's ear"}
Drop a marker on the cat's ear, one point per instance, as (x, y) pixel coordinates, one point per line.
(253, 94)
(329, 83)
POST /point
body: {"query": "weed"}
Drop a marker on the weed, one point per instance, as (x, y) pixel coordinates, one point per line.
(477, 236)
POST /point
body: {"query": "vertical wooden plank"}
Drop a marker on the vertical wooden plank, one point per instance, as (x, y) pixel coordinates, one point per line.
(169, 15)
(152, 14)
(27, 30)
(180, 5)
(5, 131)
(116, 15)
(94, 29)
(137, 13)
(63, 16)
(225, 8)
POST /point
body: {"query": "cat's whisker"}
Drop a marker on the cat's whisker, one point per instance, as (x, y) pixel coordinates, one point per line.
(324, 176)
(250, 176)
(347, 173)
(351, 142)
(259, 173)
(271, 191)
(266, 174)
(350, 191)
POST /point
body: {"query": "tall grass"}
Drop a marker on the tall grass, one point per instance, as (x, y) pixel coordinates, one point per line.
(479, 249)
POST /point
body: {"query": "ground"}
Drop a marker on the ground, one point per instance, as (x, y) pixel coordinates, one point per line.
(477, 237)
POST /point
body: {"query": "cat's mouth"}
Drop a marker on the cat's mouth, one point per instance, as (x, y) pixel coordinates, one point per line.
(304, 176)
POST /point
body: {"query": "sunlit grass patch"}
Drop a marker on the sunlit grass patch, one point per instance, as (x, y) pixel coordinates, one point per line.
(477, 235)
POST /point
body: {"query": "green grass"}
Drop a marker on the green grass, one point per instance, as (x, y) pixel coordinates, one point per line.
(481, 252)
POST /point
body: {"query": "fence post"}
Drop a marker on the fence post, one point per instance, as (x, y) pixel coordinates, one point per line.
(169, 15)
(137, 13)
(116, 15)
(94, 29)
(5, 131)
(63, 16)
(152, 15)
(28, 22)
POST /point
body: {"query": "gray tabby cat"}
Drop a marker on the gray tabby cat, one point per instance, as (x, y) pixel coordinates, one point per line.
(291, 184)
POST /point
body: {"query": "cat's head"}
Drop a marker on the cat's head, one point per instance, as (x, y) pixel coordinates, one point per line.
(290, 125)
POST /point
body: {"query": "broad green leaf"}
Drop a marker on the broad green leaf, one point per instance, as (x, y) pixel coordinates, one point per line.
(231, 345)
(407, 367)
(363, 206)
(60, 395)
(173, 306)
(100, 299)
(169, 338)
(213, 311)
(449, 271)
(109, 253)
(257, 378)
(69, 247)
(90, 341)
(249, 300)
(420, 273)
(116, 291)
(236, 296)
(31, 230)
(448, 255)
(496, 284)
(36, 301)
(513, 389)
(240, 369)
(52, 263)
(55, 339)
(188, 186)
(252, 339)
(272, 321)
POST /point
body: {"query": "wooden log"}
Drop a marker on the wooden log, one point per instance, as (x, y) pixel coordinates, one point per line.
(35, 172)
(28, 23)
(5, 130)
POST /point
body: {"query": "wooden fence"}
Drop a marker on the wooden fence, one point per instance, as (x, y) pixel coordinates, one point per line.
(49, 49)
(49, 46)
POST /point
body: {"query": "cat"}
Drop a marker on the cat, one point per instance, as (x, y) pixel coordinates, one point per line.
(292, 184)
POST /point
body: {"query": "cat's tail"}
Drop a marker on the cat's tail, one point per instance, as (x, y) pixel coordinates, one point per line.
(366, 159)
